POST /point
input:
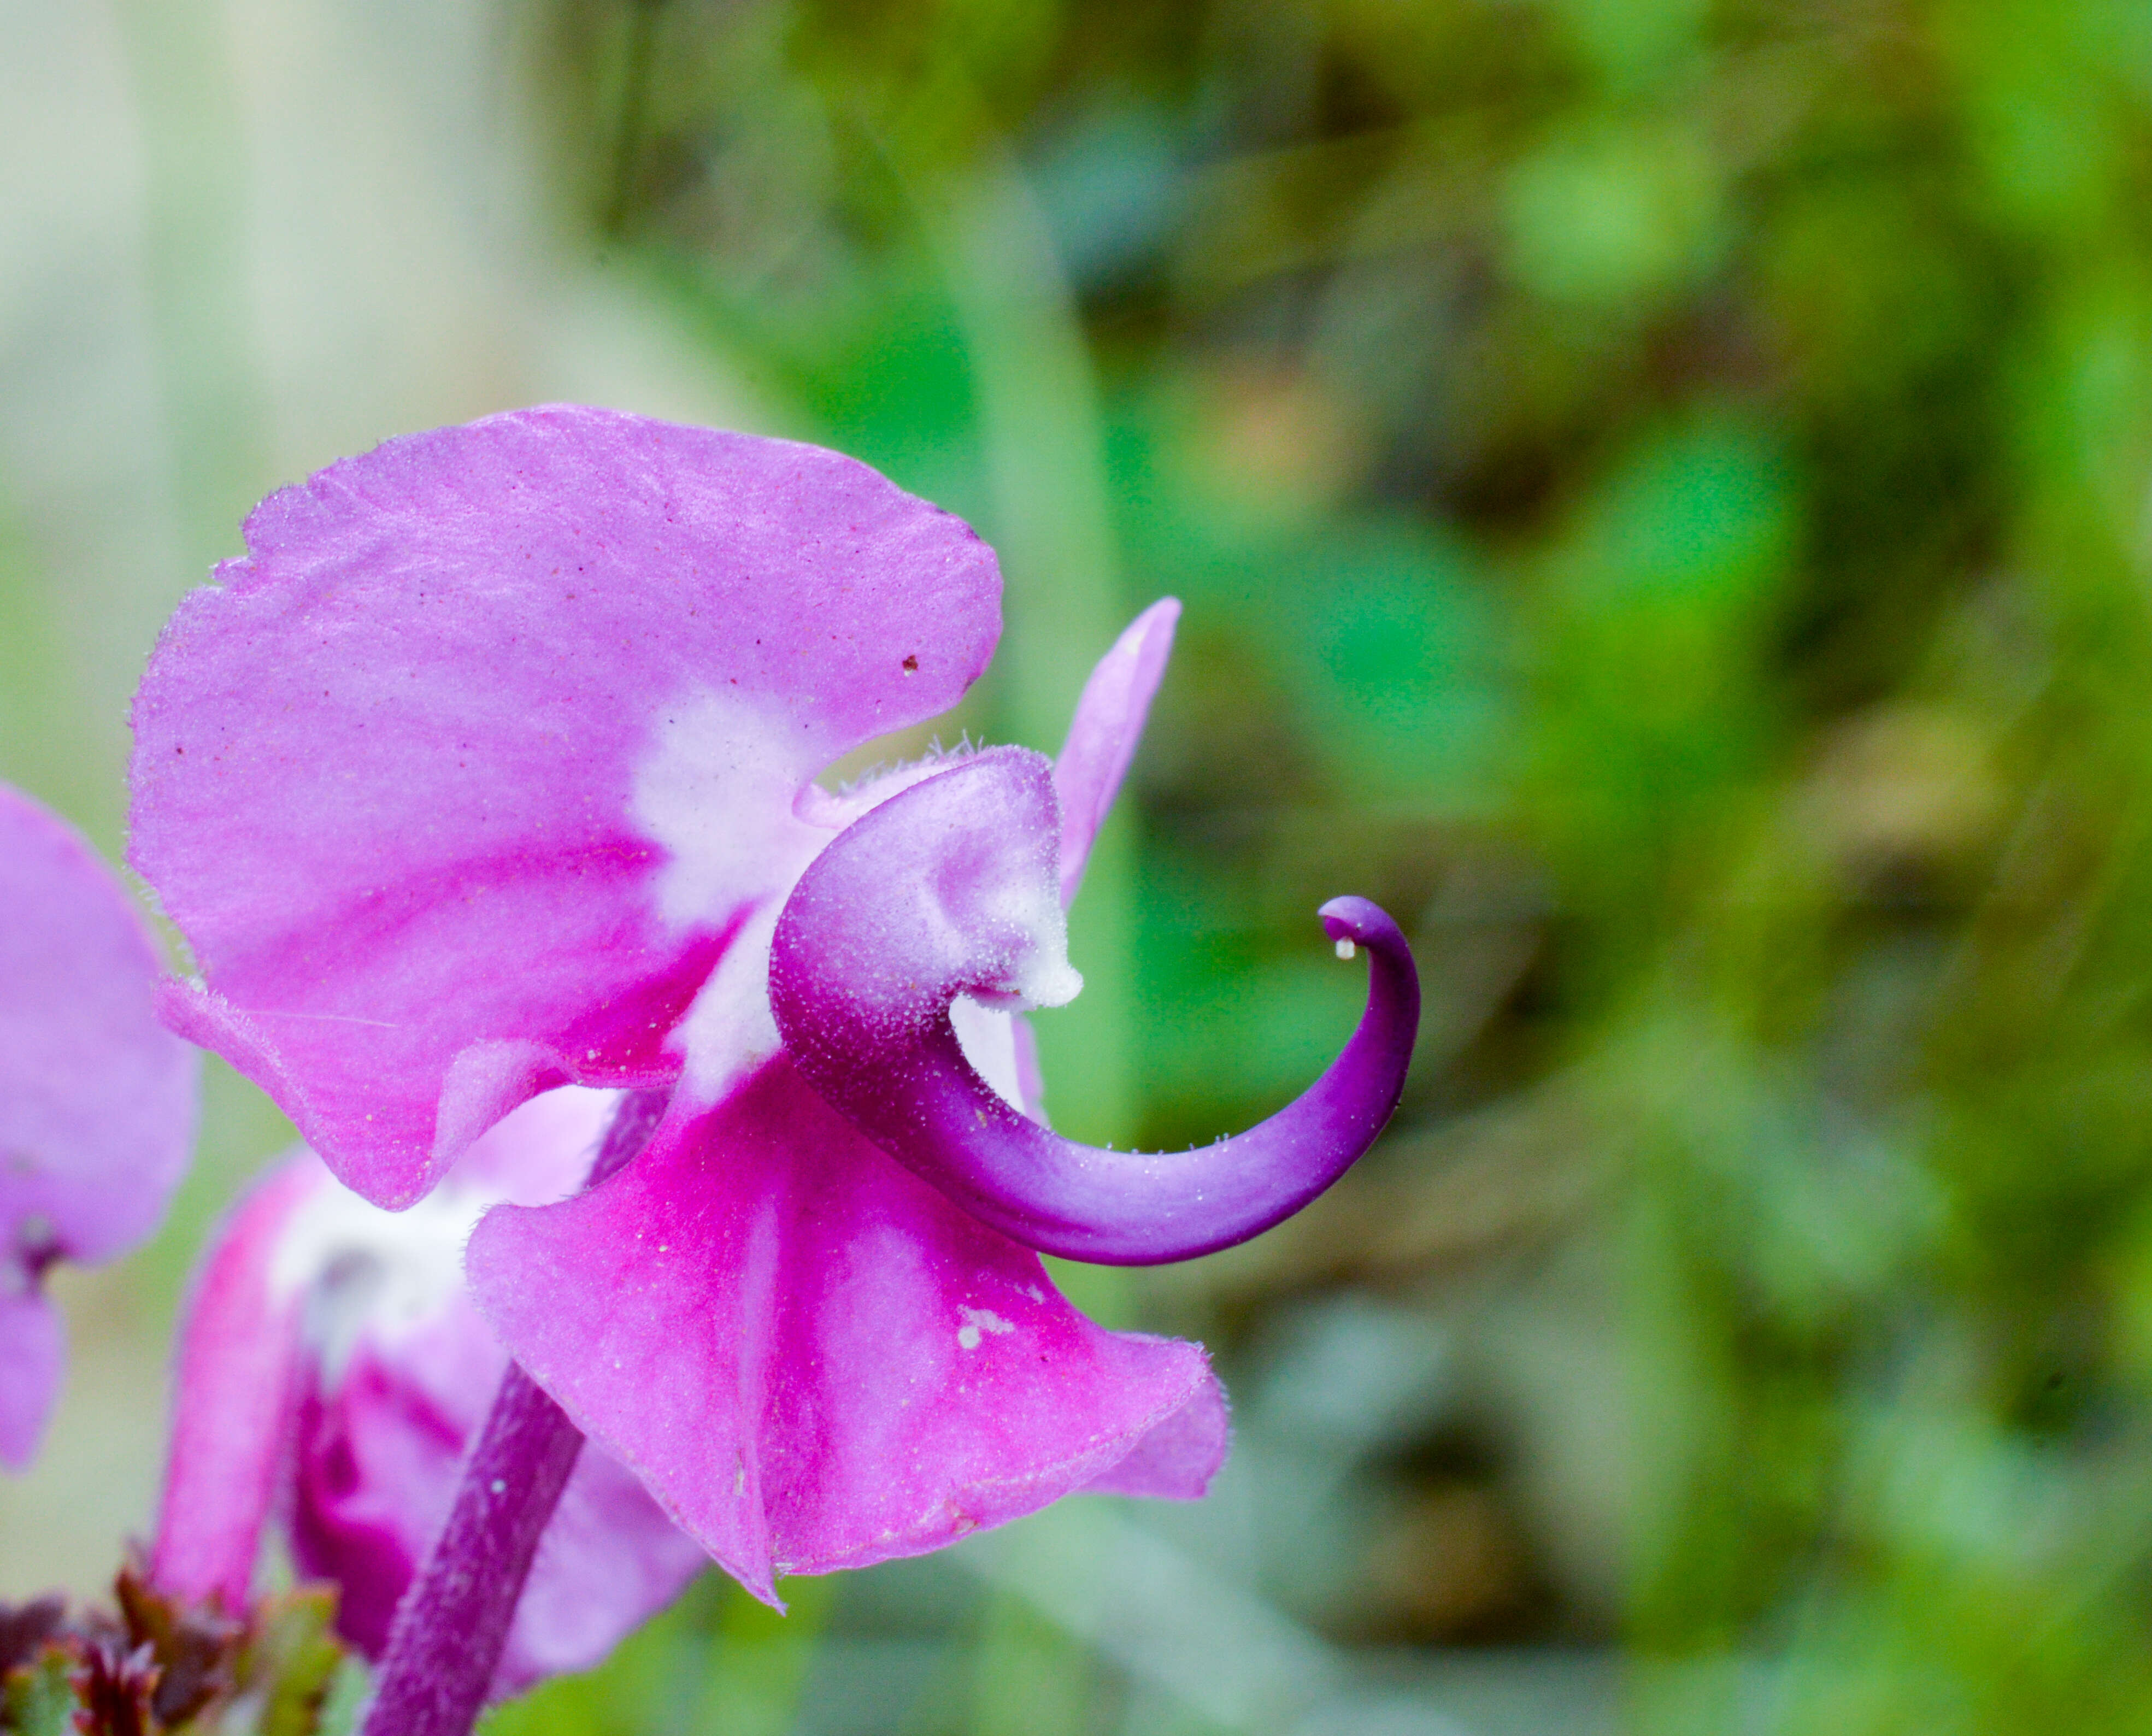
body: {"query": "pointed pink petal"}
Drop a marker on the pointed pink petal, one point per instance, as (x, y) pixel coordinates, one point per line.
(96, 1099)
(32, 1347)
(234, 1382)
(809, 1357)
(458, 782)
(1104, 734)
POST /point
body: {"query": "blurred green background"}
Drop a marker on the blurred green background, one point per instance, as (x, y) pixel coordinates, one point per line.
(1662, 491)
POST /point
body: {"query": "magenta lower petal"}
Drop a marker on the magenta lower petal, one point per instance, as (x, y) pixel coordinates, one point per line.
(812, 1359)
(376, 1464)
(1176, 1460)
(460, 780)
(949, 889)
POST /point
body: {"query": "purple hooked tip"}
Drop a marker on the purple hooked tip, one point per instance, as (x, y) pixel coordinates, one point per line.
(951, 888)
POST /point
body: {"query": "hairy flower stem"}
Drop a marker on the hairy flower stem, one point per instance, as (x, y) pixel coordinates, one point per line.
(446, 1640)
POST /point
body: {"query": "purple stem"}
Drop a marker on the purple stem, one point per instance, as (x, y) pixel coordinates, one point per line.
(909, 1090)
(446, 1643)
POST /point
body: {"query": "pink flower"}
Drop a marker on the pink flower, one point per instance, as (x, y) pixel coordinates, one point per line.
(490, 770)
(97, 1100)
(332, 1369)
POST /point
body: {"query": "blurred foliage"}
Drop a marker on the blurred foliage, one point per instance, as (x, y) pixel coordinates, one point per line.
(1660, 489)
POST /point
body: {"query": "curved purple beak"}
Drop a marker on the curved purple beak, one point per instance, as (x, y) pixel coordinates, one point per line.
(949, 888)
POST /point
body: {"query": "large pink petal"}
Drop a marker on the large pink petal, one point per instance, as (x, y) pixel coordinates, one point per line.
(1104, 734)
(96, 1099)
(811, 1357)
(234, 1379)
(459, 781)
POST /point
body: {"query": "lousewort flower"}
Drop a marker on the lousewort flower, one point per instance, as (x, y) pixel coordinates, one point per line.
(490, 770)
(332, 1369)
(96, 1099)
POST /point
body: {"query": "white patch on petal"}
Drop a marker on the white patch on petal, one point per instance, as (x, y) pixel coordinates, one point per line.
(988, 1039)
(716, 789)
(366, 1275)
(370, 1273)
(977, 1321)
(1040, 975)
(1044, 980)
(541, 1151)
(728, 1030)
(719, 793)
